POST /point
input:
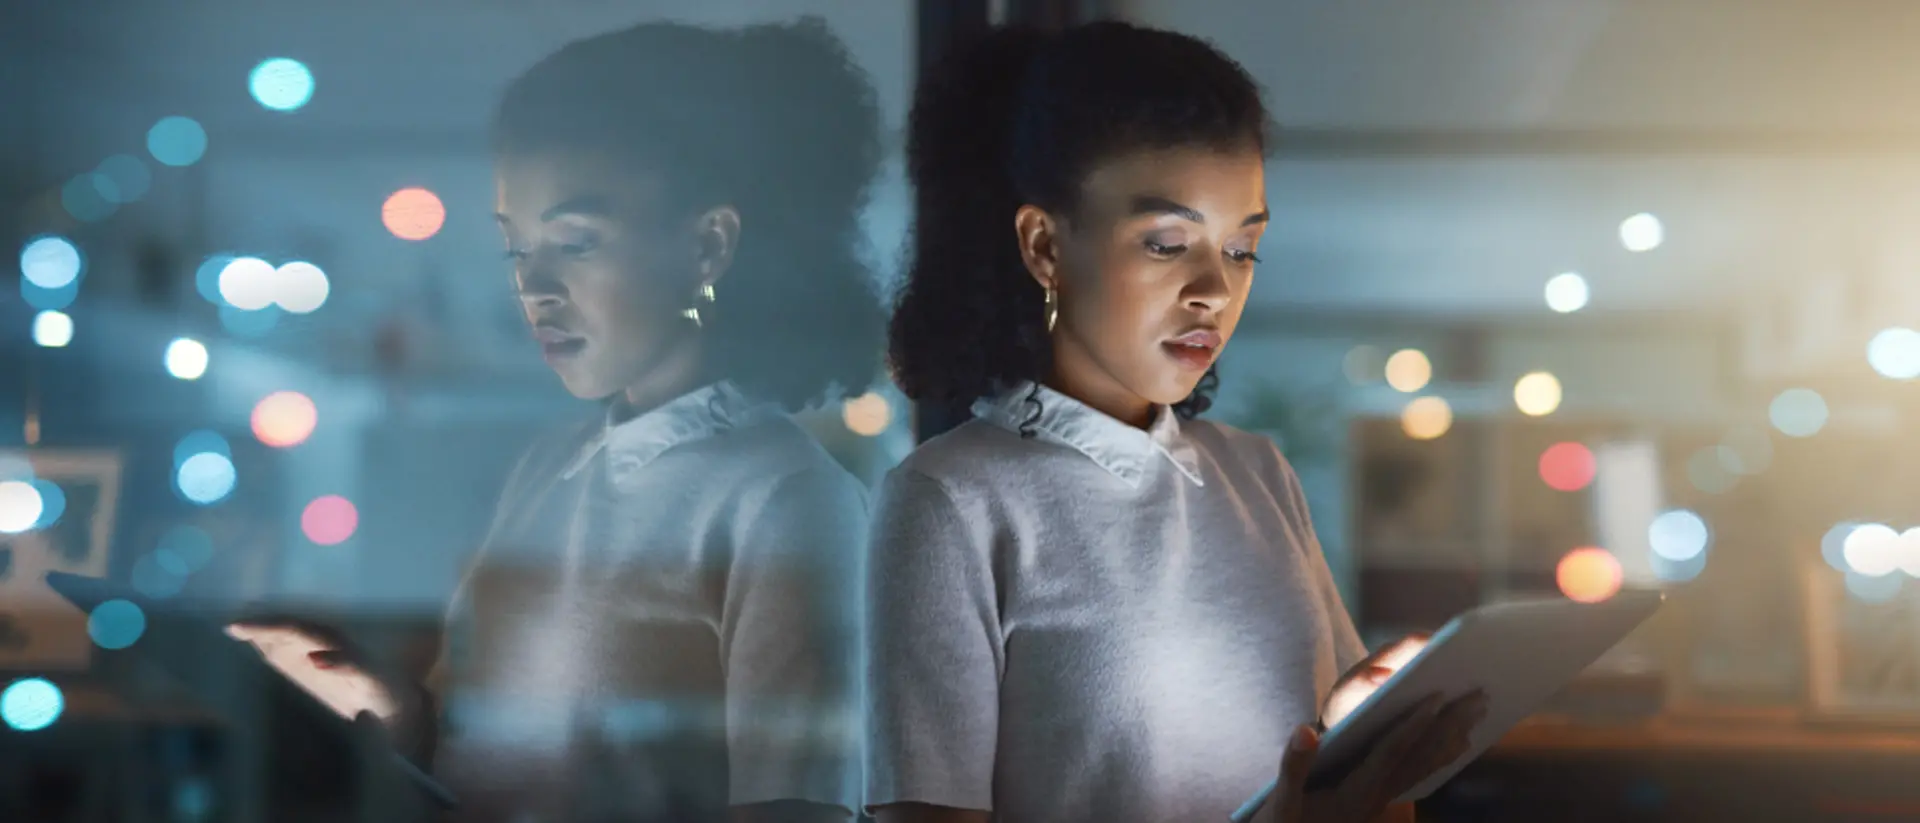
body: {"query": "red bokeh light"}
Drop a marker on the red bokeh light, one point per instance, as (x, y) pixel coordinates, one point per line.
(1568, 467)
(329, 520)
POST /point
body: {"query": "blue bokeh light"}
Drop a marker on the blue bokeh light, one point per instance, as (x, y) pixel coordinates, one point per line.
(249, 324)
(31, 704)
(205, 478)
(51, 262)
(206, 278)
(190, 545)
(53, 502)
(1872, 588)
(122, 178)
(49, 299)
(84, 200)
(159, 574)
(199, 441)
(116, 624)
(177, 141)
(281, 84)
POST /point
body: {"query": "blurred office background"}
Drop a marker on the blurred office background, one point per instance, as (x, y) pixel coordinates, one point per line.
(1560, 296)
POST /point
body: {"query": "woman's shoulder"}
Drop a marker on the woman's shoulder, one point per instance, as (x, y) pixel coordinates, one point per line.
(973, 456)
(1226, 442)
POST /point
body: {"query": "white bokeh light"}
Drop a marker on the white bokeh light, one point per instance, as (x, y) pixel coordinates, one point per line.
(248, 283)
(1872, 549)
(1909, 552)
(52, 329)
(1678, 535)
(20, 506)
(300, 287)
(186, 358)
(50, 262)
(1895, 353)
(1567, 293)
(1798, 412)
(1642, 232)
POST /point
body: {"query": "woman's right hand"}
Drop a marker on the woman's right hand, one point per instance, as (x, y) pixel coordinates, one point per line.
(320, 665)
(1432, 736)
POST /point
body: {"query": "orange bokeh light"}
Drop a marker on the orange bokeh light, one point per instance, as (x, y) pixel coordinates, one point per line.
(1588, 575)
(1568, 467)
(284, 419)
(413, 214)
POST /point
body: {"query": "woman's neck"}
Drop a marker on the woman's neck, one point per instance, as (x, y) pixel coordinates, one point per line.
(1078, 377)
(680, 371)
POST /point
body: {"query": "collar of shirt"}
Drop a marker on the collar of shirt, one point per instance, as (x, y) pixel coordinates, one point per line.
(696, 415)
(1125, 451)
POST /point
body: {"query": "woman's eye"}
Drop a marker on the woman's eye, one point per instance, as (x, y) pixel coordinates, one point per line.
(579, 248)
(1159, 249)
(514, 255)
(1242, 256)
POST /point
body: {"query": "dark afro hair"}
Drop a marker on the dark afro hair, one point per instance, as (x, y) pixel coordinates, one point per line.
(1021, 117)
(775, 120)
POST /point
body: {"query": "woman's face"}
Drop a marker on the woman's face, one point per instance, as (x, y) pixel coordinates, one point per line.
(1151, 270)
(602, 271)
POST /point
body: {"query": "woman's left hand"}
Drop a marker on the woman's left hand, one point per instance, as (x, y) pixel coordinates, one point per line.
(1367, 676)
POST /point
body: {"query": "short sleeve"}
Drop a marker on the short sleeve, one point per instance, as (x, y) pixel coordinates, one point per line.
(1348, 650)
(934, 650)
(790, 643)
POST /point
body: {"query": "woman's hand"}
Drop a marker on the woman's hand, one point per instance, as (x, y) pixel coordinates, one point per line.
(1431, 737)
(1367, 676)
(322, 665)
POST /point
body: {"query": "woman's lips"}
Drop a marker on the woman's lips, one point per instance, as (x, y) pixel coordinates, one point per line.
(1195, 349)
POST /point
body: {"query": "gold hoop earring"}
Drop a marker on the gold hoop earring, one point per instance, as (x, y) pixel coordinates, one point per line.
(1053, 309)
(704, 296)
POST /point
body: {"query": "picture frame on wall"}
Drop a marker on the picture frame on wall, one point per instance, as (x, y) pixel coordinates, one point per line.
(39, 630)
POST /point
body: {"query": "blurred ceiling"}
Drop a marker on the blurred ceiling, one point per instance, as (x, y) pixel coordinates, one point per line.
(1445, 158)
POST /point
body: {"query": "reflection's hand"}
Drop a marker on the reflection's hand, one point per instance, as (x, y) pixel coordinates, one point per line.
(1367, 676)
(320, 667)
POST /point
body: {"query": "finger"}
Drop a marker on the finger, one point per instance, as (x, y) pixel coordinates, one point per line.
(1380, 767)
(1377, 675)
(331, 658)
(1448, 739)
(1290, 798)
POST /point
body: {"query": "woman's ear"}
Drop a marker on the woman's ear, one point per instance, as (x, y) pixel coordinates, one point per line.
(1039, 236)
(717, 235)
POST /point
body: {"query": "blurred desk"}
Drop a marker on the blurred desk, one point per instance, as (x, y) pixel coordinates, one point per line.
(1759, 765)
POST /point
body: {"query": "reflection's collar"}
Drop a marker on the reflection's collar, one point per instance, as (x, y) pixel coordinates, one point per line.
(696, 415)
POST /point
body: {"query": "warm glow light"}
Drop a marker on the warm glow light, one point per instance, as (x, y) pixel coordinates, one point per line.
(1537, 394)
(1642, 232)
(1408, 370)
(413, 214)
(284, 419)
(186, 358)
(52, 329)
(1588, 575)
(1567, 293)
(329, 520)
(1426, 418)
(20, 506)
(1872, 549)
(1895, 354)
(1567, 467)
(867, 415)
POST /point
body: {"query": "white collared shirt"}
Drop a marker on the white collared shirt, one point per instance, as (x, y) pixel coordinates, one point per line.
(666, 607)
(1095, 622)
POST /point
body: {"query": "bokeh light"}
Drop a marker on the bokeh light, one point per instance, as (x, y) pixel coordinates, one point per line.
(1567, 467)
(192, 545)
(1873, 589)
(248, 283)
(53, 503)
(329, 520)
(281, 84)
(206, 278)
(1678, 571)
(84, 200)
(1409, 370)
(177, 141)
(20, 506)
(1798, 412)
(1895, 353)
(159, 574)
(301, 288)
(1872, 549)
(1426, 418)
(1833, 544)
(52, 329)
(1908, 552)
(51, 262)
(49, 299)
(31, 704)
(284, 419)
(1746, 450)
(1709, 473)
(125, 175)
(1678, 535)
(195, 442)
(1642, 232)
(205, 478)
(1537, 394)
(1588, 575)
(867, 415)
(1363, 364)
(186, 358)
(249, 324)
(1567, 293)
(413, 214)
(116, 624)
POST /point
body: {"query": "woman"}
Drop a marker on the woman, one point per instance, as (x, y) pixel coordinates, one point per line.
(1086, 603)
(662, 623)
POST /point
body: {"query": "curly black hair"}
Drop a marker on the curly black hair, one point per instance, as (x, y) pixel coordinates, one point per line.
(1021, 117)
(775, 120)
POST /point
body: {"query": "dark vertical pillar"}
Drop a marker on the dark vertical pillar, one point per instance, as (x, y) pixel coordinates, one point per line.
(943, 23)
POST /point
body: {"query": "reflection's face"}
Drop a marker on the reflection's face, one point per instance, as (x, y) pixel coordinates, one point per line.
(603, 273)
(1153, 271)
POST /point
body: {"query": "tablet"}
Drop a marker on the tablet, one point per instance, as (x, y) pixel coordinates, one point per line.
(1520, 653)
(189, 641)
